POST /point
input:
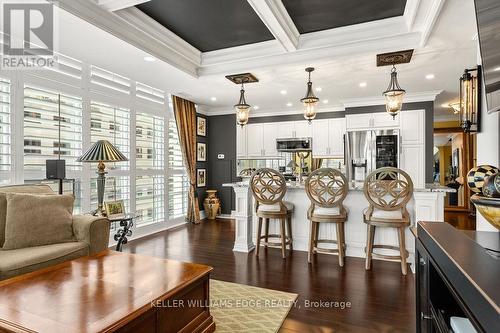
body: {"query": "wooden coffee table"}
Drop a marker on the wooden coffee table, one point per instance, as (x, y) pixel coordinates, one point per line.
(109, 292)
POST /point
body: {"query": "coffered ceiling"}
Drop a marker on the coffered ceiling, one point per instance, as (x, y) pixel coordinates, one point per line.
(316, 15)
(344, 56)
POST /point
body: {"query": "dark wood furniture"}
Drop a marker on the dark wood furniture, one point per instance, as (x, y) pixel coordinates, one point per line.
(268, 188)
(455, 277)
(327, 189)
(387, 190)
(109, 292)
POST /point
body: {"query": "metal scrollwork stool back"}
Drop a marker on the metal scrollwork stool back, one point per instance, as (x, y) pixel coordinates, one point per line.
(268, 188)
(327, 189)
(387, 190)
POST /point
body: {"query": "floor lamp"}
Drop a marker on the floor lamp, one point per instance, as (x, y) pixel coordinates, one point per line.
(100, 152)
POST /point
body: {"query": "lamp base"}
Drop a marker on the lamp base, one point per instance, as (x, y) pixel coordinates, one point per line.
(99, 212)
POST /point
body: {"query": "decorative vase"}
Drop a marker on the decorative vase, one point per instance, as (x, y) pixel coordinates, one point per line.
(211, 204)
(476, 176)
(489, 208)
(491, 187)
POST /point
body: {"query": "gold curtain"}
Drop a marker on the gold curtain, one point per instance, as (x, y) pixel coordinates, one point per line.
(185, 118)
(316, 163)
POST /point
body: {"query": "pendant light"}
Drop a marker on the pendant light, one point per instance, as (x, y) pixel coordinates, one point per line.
(394, 95)
(310, 101)
(242, 108)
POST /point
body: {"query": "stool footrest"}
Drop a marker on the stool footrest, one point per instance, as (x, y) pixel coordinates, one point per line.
(386, 256)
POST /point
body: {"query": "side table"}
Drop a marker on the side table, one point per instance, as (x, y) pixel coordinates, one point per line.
(126, 224)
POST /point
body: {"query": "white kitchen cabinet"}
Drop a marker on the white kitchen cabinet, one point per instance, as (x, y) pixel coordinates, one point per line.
(328, 137)
(320, 143)
(255, 140)
(358, 121)
(241, 141)
(413, 162)
(413, 127)
(384, 119)
(270, 133)
(336, 131)
(303, 129)
(286, 130)
(371, 121)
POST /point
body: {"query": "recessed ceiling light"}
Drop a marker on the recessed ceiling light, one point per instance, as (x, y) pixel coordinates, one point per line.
(497, 69)
(318, 89)
(255, 107)
(362, 84)
(325, 101)
(149, 58)
(429, 76)
(213, 99)
(289, 104)
(283, 92)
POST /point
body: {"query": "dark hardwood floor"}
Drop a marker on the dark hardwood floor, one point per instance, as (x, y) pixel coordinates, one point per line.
(460, 220)
(382, 299)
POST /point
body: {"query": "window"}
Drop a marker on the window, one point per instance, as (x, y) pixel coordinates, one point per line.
(111, 124)
(150, 169)
(5, 132)
(178, 185)
(149, 93)
(113, 81)
(41, 128)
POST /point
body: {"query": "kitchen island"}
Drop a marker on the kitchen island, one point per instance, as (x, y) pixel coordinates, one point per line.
(427, 204)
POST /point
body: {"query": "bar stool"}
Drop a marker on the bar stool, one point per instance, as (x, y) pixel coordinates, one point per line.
(327, 189)
(387, 190)
(268, 188)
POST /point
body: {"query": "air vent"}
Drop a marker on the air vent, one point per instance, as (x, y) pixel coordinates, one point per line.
(242, 78)
(394, 58)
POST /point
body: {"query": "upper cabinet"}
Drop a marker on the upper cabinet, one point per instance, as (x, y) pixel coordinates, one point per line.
(286, 129)
(303, 129)
(255, 140)
(270, 132)
(328, 137)
(260, 140)
(371, 121)
(241, 141)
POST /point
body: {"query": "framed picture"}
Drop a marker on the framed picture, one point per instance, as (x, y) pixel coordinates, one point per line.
(201, 177)
(201, 126)
(201, 152)
(114, 209)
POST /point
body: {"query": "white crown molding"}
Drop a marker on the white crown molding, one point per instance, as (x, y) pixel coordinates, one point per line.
(424, 96)
(410, 12)
(430, 20)
(277, 21)
(213, 64)
(120, 28)
(270, 112)
(233, 54)
(113, 5)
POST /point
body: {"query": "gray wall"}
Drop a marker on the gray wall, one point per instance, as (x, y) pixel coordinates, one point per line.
(429, 128)
(200, 191)
(222, 140)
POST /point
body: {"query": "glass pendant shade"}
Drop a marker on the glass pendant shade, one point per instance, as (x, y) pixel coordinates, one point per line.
(455, 106)
(242, 109)
(310, 101)
(394, 95)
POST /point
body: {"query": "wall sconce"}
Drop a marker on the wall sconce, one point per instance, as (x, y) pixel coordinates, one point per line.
(470, 100)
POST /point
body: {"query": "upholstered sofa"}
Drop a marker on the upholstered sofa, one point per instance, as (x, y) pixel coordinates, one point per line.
(90, 235)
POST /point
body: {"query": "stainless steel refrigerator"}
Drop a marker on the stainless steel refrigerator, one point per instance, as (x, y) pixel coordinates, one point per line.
(368, 150)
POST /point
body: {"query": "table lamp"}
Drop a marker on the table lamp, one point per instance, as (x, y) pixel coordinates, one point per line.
(100, 152)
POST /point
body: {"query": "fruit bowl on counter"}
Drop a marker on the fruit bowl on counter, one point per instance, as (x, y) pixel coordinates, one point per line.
(484, 181)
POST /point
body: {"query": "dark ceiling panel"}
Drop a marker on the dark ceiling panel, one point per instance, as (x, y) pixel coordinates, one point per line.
(209, 24)
(315, 15)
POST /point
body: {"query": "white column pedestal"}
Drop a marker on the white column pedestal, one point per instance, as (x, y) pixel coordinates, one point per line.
(243, 241)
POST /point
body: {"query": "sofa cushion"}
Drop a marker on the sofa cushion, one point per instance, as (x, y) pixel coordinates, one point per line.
(34, 220)
(20, 261)
(35, 189)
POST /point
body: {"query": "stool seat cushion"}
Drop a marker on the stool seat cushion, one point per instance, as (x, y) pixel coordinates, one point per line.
(386, 214)
(275, 207)
(332, 211)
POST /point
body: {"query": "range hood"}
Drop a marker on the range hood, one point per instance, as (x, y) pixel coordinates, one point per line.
(294, 144)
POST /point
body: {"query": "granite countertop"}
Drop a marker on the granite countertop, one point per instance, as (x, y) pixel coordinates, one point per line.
(354, 186)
